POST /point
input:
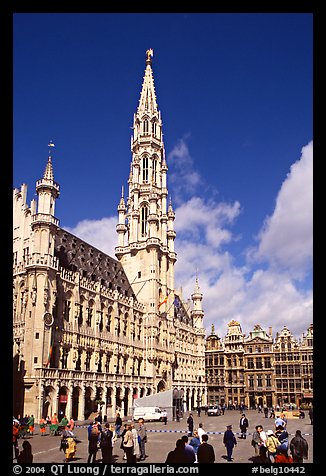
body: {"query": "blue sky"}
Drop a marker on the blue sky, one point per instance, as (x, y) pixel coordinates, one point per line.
(235, 94)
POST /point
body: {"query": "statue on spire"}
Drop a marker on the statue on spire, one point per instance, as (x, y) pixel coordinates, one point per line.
(149, 54)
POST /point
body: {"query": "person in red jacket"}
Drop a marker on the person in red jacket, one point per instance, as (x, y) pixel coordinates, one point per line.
(283, 457)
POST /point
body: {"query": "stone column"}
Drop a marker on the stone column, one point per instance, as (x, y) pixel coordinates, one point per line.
(69, 401)
(81, 404)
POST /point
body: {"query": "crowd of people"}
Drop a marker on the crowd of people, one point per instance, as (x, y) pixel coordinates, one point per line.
(271, 446)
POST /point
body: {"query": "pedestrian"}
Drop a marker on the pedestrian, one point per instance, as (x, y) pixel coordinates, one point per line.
(223, 408)
(201, 432)
(190, 423)
(283, 457)
(205, 453)
(178, 455)
(42, 426)
(311, 413)
(189, 450)
(68, 444)
(244, 423)
(15, 436)
(118, 424)
(262, 456)
(30, 425)
(258, 439)
(283, 438)
(280, 420)
(93, 444)
(25, 456)
(198, 410)
(177, 414)
(272, 443)
(272, 414)
(299, 447)
(136, 449)
(195, 442)
(266, 411)
(71, 424)
(122, 434)
(142, 433)
(128, 444)
(206, 409)
(229, 441)
(106, 443)
(164, 416)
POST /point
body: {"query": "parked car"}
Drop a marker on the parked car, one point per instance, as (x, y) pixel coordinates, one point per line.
(148, 413)
(214, 411)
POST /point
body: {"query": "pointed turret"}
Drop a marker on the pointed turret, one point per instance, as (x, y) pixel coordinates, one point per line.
(47, 189)
(197, 312)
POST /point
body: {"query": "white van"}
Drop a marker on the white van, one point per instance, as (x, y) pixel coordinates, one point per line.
(148, 413)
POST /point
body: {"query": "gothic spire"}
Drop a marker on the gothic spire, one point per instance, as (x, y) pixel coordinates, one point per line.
(147, 101)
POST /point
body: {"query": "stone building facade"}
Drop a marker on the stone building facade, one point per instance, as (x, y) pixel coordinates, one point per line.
(258, 369)
(94, 332)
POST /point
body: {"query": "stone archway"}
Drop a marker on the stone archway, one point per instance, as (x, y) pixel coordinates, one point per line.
(161, 386)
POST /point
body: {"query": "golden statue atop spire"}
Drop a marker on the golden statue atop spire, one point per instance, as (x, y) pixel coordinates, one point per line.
(149, 54)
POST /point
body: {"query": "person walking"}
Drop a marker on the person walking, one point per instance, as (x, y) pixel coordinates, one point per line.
(205, 453)
(118, 424)
(142, 433)
(244, 423)
(93, 444)
(229, 441)
(30, 425)
(258, 439)
(136, 449)
(68, 444)
(165, 416)
(122, 435)
(283, 457)
(201, 432)
(25, 456)
(311, 414)
(298, 448)
(15, 436)
(283, 438)
(195, 442)
(43, 426)
(189, 450)
(272, 443)
(178, 455)
(106, 444)
(190, 423)
(128, 444)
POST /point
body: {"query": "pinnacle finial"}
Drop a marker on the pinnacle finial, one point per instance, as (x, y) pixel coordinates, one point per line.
(149, 54)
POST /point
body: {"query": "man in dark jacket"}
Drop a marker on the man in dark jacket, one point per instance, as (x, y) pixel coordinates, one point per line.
(190, 423)
(298, 448)
(243, 426)
(106, 444)
(229, 441)
(205, 453)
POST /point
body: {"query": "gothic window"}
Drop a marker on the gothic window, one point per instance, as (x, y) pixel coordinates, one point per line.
(145, 169)
(145, 124)
(154, 177)
(144, 216)
(154, 129)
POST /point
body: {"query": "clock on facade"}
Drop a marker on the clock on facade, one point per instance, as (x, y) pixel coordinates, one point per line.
(48, 319)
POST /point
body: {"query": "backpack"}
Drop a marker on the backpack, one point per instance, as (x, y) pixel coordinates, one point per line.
(106, 438)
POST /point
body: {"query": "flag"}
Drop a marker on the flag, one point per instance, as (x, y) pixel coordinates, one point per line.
(49, 356)
(164, 301)
(176, 302)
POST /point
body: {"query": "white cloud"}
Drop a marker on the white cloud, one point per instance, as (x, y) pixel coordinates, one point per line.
(99, 233)
(250, 294)
(286, 239)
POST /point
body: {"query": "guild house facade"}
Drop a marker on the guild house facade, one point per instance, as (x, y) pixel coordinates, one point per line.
(257, 369)
(92, 332)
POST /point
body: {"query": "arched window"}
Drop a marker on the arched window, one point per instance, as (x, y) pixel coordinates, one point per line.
(144, 216)
(154, 176)
(145, 126)
(145, 169)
